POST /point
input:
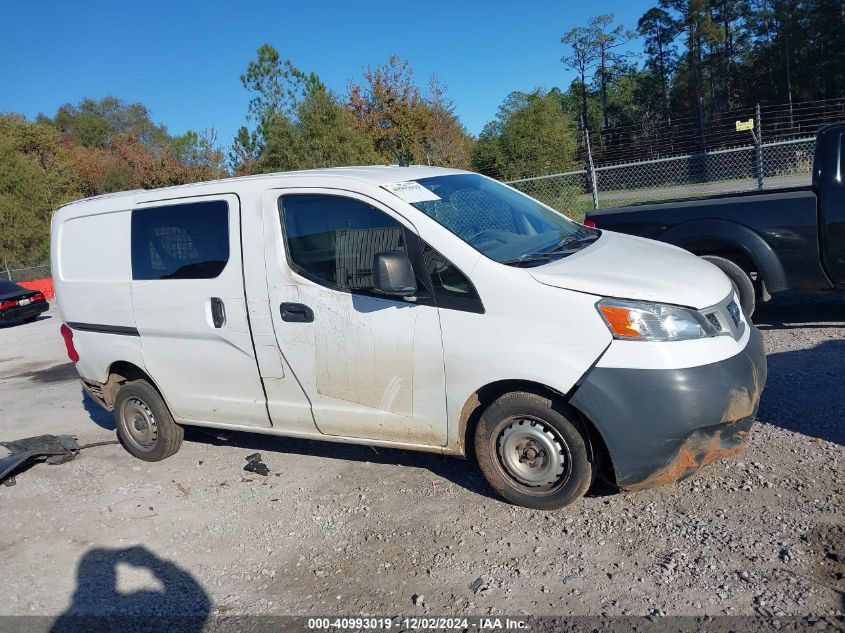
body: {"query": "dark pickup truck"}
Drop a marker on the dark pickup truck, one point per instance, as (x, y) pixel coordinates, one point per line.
(765, 241)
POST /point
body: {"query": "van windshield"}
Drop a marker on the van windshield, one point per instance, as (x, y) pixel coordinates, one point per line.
(506, 226)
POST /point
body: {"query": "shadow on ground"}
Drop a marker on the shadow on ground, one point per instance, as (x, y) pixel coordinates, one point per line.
(804, 389)
(823, 311)
(56, 373)
(41, 317)
(178, 602)
(98, 414)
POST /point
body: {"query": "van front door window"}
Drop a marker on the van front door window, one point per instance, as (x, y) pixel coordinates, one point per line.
(332, 240)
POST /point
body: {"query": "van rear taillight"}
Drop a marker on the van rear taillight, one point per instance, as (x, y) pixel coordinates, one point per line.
(590, 223)
(67, 335)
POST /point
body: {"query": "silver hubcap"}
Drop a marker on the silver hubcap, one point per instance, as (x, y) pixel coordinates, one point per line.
(532, 452)
(139, 424)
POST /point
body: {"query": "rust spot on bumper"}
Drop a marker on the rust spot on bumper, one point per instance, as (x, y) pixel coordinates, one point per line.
(700, 449)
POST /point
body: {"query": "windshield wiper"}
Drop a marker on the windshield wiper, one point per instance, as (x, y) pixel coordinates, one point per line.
(530, 258)
(556, 251)
(572, 240)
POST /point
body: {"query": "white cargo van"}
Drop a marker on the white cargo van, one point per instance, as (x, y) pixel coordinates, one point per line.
(413, 307)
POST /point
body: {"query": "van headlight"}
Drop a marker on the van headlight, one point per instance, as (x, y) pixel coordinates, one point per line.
(636, 321)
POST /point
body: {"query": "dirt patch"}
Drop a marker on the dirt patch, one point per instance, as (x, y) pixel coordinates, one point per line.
(828, 567)
(741, 404)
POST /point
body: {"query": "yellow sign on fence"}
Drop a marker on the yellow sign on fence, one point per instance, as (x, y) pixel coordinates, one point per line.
(741, 126)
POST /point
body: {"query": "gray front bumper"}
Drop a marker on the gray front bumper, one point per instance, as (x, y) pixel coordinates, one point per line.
(661, 425)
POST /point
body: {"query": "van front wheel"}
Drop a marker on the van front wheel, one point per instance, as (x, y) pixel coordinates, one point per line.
(531, 453)
(145, 427)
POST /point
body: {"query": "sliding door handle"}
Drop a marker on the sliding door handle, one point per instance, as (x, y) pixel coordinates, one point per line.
(218, 312)
(296, 313)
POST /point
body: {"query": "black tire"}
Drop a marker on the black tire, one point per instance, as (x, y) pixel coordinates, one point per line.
(518, 422)
(739, 278)
(153, 435)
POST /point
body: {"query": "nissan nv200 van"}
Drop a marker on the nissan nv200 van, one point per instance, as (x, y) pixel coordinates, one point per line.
(410, 307)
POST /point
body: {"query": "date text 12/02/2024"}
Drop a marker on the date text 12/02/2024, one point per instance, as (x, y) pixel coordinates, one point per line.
(416, 623)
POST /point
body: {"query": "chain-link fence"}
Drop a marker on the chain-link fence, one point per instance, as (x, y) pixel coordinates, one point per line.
(752, 167)
(654, 136)
(30, 273)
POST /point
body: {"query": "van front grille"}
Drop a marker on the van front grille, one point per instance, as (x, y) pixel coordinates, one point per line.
(726, 317)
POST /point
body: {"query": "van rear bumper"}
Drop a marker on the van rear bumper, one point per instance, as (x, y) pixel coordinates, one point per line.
(661, 425)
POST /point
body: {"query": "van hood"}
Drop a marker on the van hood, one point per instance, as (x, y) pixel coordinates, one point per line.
(628, 267)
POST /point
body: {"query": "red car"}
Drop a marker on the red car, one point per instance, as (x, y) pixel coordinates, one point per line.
(19, 304)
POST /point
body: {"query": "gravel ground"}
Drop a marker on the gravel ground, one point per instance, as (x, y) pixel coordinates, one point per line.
(346, 530)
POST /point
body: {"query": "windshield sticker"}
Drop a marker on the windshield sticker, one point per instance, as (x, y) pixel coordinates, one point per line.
(410, 191)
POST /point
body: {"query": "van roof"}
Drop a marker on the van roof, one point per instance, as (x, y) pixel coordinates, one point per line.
(374, 174)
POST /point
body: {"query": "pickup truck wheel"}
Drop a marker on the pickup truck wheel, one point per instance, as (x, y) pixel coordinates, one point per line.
(739, 278)
(145, 427)
(531, 453)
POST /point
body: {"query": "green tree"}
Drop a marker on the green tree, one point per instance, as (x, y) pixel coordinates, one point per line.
(582, 59)
(531, 135)
(701, 32)
(301, 124)
(487, 156)
(822, 25)
(447, 142)
(404, 124)
(199, 149)
(322, 135)
(276, 85)
(730, 47)
(659, 31)
(610, 63)
(95, 122)
(244, 152)
(794, 51)
(35, 177)
(389, 109)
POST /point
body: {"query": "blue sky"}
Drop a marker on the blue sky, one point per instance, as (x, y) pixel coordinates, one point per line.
(183, 60)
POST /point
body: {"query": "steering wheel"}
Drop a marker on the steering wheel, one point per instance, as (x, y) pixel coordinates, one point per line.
(484, 234)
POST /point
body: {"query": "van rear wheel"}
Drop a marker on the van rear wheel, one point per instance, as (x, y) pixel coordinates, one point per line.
(531, 453)
(145, 427)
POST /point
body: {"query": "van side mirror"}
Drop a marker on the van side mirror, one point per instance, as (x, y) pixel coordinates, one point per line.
(393, 274)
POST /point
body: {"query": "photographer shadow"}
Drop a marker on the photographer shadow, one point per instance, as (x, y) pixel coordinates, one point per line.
(180, 604)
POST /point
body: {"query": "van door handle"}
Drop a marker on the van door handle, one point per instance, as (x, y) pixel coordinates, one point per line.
(296, 313)
(218, 312)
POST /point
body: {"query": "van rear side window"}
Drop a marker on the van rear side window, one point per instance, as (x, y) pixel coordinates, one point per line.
(180, 241)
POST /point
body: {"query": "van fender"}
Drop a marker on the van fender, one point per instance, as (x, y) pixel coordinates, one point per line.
(737, 236)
